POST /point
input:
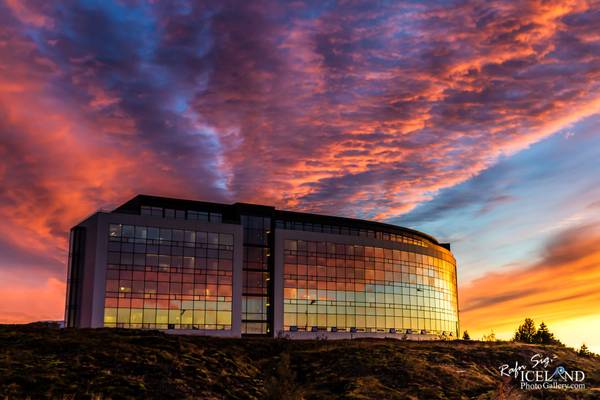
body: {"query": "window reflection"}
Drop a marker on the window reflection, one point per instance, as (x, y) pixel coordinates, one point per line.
(256, 276)
(351, 231)
(363, 288)
(181, 214)
(170, 279)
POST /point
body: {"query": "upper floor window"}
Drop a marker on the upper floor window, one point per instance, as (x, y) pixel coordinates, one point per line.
(154, 211)
(182, 214)
(197, 215)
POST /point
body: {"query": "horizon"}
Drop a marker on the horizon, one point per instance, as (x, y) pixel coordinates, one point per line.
(477, 126)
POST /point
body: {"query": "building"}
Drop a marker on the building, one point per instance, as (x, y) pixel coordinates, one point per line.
(241, 269)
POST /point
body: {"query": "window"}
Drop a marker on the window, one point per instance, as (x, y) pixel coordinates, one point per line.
(146, 210)
(254, 327)
(141, 232)
(256, 278)
(165, 235)
(114, 231)
(153, 211)
(160, 286)
(225, 239)
(177, 235)
(213, 239)
(190, 237)
(201, 237)
(152, 233)
(330, 285)
(197, 215)
(127, 231)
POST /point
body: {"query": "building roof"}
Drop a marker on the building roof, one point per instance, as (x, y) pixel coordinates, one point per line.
(232, 212)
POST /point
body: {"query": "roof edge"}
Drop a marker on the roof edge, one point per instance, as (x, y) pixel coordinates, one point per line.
(137, 201)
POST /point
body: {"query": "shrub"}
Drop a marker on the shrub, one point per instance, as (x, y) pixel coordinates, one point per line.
(584, 351)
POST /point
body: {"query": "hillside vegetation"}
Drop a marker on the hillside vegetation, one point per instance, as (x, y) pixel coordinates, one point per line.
(43, 362)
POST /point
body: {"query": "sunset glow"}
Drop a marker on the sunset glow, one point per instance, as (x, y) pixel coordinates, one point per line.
(477, 123)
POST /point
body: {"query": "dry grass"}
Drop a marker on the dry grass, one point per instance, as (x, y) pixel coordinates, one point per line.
(44, 362)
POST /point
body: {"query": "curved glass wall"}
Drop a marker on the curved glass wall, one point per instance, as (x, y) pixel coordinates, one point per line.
(337, 286)
(164, 278)
(338, 229)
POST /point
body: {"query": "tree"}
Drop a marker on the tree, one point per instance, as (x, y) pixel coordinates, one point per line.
(544, 336)
(525, 332)
(584, 351)
(466, 335)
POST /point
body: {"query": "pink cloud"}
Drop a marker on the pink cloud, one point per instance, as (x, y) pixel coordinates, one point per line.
(26, 302)
(355, 110)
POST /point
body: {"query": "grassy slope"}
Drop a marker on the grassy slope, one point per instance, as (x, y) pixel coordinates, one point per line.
(41, 362)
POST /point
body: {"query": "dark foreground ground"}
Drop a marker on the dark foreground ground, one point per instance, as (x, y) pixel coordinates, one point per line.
(41, 362)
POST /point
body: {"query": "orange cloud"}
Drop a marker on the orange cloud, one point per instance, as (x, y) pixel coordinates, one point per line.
(24, 302)
(560, 287)
(376, 110)
(354, 110)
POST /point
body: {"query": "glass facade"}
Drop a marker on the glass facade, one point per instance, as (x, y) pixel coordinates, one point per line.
(168, 278)
(171, 213)
(174, 271)
(256, 279)
(333, 286)
(337, 229)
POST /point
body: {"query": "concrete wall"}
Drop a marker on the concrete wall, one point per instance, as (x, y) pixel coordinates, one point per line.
(89, 270)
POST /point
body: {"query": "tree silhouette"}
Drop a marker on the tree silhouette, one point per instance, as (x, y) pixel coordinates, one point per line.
(544, 336)
(525, 332)
(584, 351)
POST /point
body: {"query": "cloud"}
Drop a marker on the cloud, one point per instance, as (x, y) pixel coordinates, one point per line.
(27, 13)
(84, 125)
(355, 109)
(398, 102)
(481, 194)
(24, 302)
(561, 285)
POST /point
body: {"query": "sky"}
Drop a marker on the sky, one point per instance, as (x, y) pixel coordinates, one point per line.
(474, 121)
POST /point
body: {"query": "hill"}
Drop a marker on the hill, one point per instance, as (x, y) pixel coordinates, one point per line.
(40, 361)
